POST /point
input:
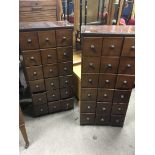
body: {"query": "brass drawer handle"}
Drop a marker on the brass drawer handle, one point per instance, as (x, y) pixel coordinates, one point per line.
(89, 95)
(122, 96)
(64, 38)
(103, 108)
(49, 56)
(47, 39)
(87, 118)
(37, 86)
(29, 40)
(119, 109)
(34, 73)
(102, 119)
(128, 65)
(92, 46)
(90, 80)
(51, 70)
(132, 47)
(112, 46)
(39, 99)
(65, 54)
(91, 64)
(52, 84)
(32, 58)
(125, 82)
(107, 81)
(88, 107)
(105, 95)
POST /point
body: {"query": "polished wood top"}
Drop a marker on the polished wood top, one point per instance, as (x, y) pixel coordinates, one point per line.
(24, 26)
(107, 29)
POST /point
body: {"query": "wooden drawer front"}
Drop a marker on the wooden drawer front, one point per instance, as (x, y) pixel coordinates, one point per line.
(40, 109)
(31, 58)
(28, 40)
(47, 39)
(102, 119)
(39, 98)
(107, 81)
(49, 56)
(66, 68)
(88, 106)
(125, 82)
(105, 95)
(88, 94)
(112, 46)
(89, 80)
(90, 64)
(53, 95)
(67, 104)
(52, 83)
(87, 119)
(50, 71)
(66, 81)
(119, 108)
(64, 37)
(34, 73)
(109, 64)
(127, 66)
(37, 86)
(65, 54)
(117, 120)
(103, 108)
(92, 46)
(66, 92)
(54, 106)
(121, 96)
(129, 47)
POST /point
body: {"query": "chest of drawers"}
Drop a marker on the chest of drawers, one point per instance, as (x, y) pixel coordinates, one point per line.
(107, 76)
(47, 53)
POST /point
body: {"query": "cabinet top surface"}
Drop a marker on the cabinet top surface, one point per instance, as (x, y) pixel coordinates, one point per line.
(107, 29)
(23, 26)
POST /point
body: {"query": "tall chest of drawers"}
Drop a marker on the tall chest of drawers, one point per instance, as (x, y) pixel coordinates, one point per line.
(107, 76)
(46, 48)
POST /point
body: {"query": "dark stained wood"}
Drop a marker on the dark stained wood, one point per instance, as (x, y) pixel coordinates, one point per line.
(105, 95)
(67, 104)
(102, 119)
(40, 109)
(50, 70)
(87, 119)
(88, 94)
(54, 106)
(66, 81)
(88, 106)
(52, 83)
(39, 98)
(103, 108)
(119, 108)
(117, 120)
(66, 92)
(53, 95)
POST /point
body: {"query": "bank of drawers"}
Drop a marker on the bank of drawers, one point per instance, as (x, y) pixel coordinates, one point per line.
(108, 68)
(48, 63)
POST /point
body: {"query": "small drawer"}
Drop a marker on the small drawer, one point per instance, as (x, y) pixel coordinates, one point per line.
(64, 37)
(28, 40)
(50, 70)
(105, 95)
(66, 81)
(129, 47)
(40, 109)
(53, 95)
(34, 73)
(102, 119)
(119, 108)
(67, 104)
(37, 86)
(117, 120)
(66, 92)
(127, 65)
(121, 96)
(109, 64)
(31, 58)
(66, 68)
(87, 119)
(47, 39)
(125, 82)
(89, 80)
(103, 108)
(39, 99)
(87, 106)
(65, 54)
(107, 81)
(92, 46)
(49, 56)
(112, 46)
(54, 106)
(52, 83)
(90, 64)
(88, 94)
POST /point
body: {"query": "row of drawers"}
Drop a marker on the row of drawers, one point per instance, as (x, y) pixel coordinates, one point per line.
(45, 39)
(48, 71)
(47, 56)
(52, 107)
(108, 46)
(122, 65)
(99, 119)
(109, 81)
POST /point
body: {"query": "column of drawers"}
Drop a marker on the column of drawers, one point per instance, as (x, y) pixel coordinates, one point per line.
(107, 78)
(48, 61)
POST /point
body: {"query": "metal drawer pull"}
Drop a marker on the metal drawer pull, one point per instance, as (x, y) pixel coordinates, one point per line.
(128, 65)
(67, 105)
(41, 109)
(119, 109)
(125, 82)
(54, 107)
(109, 65)
(32, 58)
(89, 95)
(112, 46)
(122, 96)
(91, 64)
(64, 38)
(53, 95)
(102, 119)
(132, 47)
(105, 95)
(87, 118)
(49, 56)
(103, 108)
(66, 81)
(29, 40)
(34, 73)
(88, 107)
(52, 84)
(47, 39)
(65, 68)
(107, 81)
(92, 46)
(65, 54)
(117, 120)
(51, 70)
(39, 99)
(90, 80)
(37, 86)
(66, 92)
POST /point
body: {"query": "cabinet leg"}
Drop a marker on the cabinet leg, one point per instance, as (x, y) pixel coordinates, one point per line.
(24, 134)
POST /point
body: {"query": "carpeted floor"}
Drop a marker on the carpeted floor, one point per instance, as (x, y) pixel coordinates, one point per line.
(61, 134)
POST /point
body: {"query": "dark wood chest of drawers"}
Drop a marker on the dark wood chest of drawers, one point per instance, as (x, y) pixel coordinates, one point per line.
(107, 76)
(47, 53)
